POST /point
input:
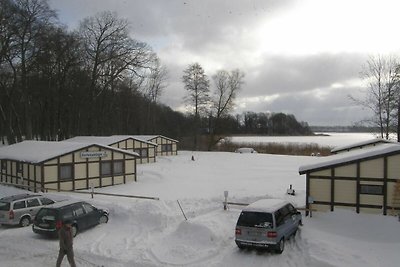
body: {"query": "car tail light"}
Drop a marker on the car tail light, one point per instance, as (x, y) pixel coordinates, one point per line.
(272, 234)
(238, 231)
(11, 215)
(58, 225)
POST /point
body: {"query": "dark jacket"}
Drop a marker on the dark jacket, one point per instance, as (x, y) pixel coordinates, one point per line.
(66, 238)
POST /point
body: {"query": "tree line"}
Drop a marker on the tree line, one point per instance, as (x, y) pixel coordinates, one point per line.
(95, 80)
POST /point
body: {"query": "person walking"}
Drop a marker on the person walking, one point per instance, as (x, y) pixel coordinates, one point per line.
(66, 241)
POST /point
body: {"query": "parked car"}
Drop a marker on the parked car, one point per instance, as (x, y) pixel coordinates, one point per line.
(82, 214)
(267, 223)
(244, 150)
(21, 209)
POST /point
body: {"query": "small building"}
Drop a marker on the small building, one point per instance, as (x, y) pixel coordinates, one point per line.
(360, 145)
(145, 149)
(65, 165)
(361, 180)
(166, 146)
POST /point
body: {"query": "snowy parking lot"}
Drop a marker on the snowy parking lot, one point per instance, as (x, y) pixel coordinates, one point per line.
(155, 233)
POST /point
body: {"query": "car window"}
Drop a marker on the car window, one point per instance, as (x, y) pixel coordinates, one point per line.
(67, 213)
(34, 202)
(46, 201)
(4, 205)
(19, 205)
(89, 208)
(255, 219)
(47, 214)
(78, 210)
(279, 217)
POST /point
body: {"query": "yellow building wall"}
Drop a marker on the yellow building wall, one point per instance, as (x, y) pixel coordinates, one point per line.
(345, 191)
(320, 189)
(106, 181)
(346, 171)
(371, 199)
(66, 186)
(371, 211)
(81, 184)
(394, 167)
(326, 173)
(119, 180)
(80, 171)
(66, 159)
(94, 170)
(372, 168)
(51, 173)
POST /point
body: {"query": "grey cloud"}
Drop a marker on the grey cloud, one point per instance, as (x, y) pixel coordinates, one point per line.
(281, 74)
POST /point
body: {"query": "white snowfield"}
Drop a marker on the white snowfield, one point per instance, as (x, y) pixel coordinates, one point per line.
(147, 233)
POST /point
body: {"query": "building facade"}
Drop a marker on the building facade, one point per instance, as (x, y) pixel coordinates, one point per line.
(362, 180)
(65, 166)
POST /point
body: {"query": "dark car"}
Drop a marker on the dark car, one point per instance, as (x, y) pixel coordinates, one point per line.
(82, 214)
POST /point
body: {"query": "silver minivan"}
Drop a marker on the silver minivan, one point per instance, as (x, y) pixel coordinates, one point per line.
(267, 223)
(21, 209)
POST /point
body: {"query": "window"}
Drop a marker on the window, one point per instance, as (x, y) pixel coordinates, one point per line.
(118, 167)
(66, 172)
(78, 210)
(19, 205)
(67, 214)
(34, 202)
(19, 167)
(46, 201)
(88, 208)
(251, 219)
(166, 148)
(105, 168)
(371, 189)
(3, 165)
(143, 152)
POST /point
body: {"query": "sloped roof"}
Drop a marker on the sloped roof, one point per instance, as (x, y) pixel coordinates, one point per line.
(151, 137)
(106, 140)
(40, 151)
(351, 157)
(360, 144)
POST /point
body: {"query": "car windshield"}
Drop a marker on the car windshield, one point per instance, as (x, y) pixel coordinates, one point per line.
(4, 205)
(47, 214)
(255, 219)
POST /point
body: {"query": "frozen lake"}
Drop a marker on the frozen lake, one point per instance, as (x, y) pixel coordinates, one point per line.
(327, 139)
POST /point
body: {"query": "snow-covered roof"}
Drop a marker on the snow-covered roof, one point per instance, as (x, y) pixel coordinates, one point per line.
(39, 151)
(360, 144)
(351, 156)
(150, 137)
(106, 140)
(266, 205)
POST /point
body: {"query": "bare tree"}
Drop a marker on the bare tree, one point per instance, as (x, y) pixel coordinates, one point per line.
(156, 81)
(197, 86)
(380, 75)
(227, 85)
(110, 55)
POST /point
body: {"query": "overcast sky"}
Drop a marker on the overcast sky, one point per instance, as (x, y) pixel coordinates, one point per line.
(302, 57)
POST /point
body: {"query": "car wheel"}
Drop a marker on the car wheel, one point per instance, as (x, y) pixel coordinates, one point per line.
(74, 230)
(280, 246)
(25, 221)
(103, 219)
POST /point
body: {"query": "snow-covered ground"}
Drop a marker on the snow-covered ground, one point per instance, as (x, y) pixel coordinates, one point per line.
(149, 233)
